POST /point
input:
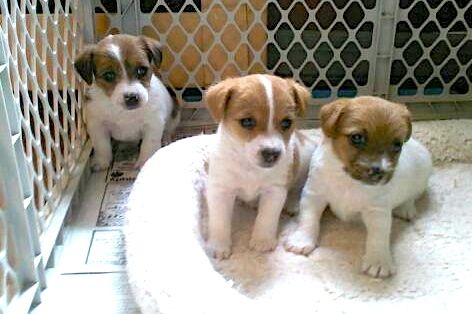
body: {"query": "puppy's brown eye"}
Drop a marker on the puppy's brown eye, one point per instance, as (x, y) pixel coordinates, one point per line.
(358, 140)
(141, 72)
(248, 123)
(397, 146)
(109, 76)
(285, 124)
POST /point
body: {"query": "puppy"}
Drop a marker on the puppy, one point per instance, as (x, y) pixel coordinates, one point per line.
(258, 155)
(125, 99)
(366, 167)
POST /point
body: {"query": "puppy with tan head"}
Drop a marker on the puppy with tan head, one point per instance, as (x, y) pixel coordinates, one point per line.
(125, 99)
(366, 167)
(259, 156)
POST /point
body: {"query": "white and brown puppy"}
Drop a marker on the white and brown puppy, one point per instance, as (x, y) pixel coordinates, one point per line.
(366, 167)
(125, 101)
(258, 155)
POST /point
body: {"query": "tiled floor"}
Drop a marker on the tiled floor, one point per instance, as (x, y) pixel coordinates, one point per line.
(89, 274)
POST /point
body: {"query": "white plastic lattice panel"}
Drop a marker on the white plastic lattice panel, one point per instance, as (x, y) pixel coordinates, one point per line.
(8, 280)
(326, 45)
(433, 51)
(21, 267)
(400, 49)
(43, 40)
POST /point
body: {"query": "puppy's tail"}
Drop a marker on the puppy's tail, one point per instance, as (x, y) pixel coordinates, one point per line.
(168, 269)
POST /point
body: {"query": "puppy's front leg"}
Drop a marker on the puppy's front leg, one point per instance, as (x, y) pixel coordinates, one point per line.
(304, 239)
(220, 213)
(378, 260)
(264, 234)
(406, 210)
(150, 144)
(101, 143)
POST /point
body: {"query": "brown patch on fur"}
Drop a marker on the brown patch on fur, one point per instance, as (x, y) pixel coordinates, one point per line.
(381, 122)
(301, 96)
(153, 49)
(135, 52)
(103, 63)
(237, 98)
(84, 64)
(290, 99)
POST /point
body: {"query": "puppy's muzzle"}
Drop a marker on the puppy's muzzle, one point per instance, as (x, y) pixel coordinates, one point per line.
(376, 174)
(269, 157)
(131, 101)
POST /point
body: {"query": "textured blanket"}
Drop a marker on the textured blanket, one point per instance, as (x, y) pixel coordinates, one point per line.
(170, 273)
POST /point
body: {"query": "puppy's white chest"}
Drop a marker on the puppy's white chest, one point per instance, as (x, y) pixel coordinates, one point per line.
(348, 198)
(246, 183)
(345, 200)
(125, 128)
(249, 187)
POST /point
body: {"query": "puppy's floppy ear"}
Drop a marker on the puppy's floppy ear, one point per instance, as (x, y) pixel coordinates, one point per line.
(330, 115)
(153, 50)
(301, 95)
(217, 98)
(407, 117)
(84, 64)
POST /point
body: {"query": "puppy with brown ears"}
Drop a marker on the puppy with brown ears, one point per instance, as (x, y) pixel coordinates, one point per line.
(259, 156)
(125, 99)
(366, 167)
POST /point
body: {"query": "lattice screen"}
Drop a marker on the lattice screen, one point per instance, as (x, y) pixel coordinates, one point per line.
(326, 46)
(433, 50)
(19, 243)
(8, 279)
(41, 136)
(411, 51)
(337, 48)
(43, 39)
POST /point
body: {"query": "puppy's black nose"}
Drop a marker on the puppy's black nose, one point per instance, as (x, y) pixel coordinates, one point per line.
(376, 172)
(270, 155)
(131, 100)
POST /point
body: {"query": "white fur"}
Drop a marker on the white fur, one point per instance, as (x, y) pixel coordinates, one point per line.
(349, 199)
(115, 50)
(125, 87)
(235, 173)
(268, 91)
(108, 118)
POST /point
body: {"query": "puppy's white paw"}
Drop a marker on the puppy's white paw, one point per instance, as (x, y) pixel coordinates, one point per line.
(406, 211)
(263, 244)
(218, 250)
(300, 242)
(98, 164)
(378, 266)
